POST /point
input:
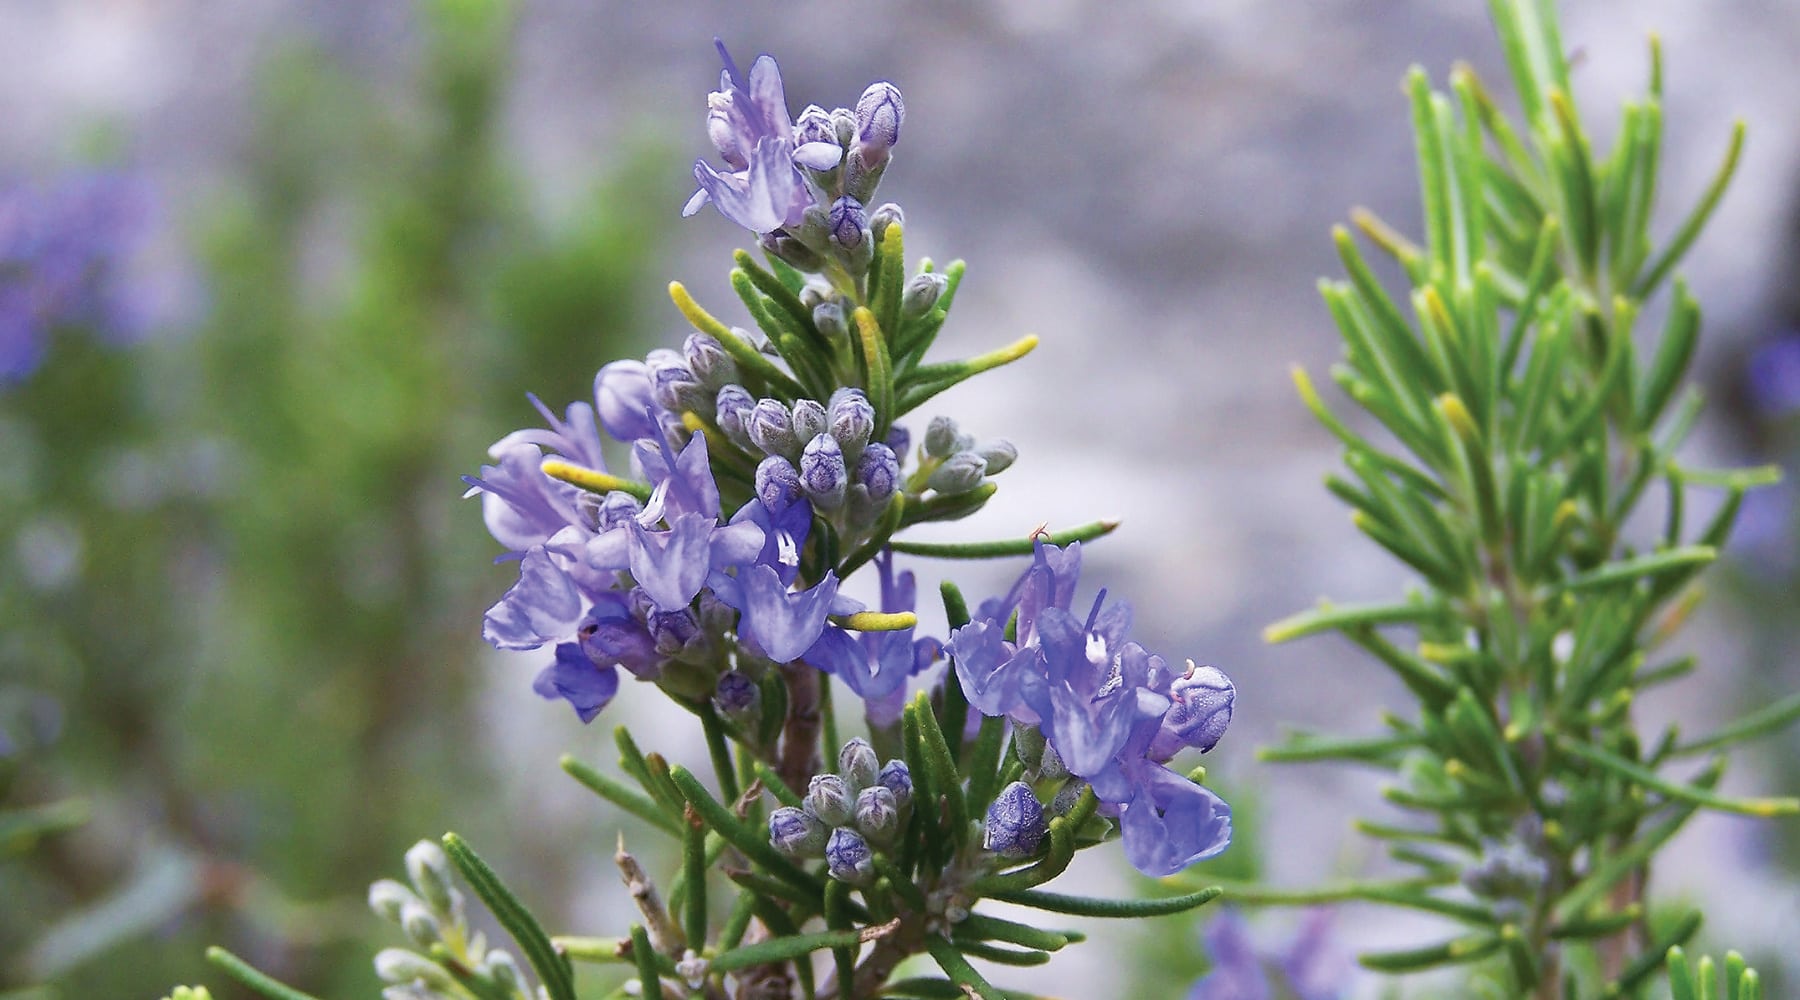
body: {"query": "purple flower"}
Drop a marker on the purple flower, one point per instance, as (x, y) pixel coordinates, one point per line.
(73, 254)
(876, 665)
(784, 624)
(575, 677)
(1172, 822)
(747, 120)
(1111, 711)
(1308, 969)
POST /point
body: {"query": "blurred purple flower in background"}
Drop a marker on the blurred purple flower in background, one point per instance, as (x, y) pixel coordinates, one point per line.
(1772, 375)
(1309, 968)
(73, 255)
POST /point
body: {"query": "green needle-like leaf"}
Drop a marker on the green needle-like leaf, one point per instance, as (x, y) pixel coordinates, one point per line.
(959, 970)
(551, 967)
(1007, 547)
(753, 842)
(618, 794)
(247, 974)
(792, 946)
(1089, 906)
(1675, 790)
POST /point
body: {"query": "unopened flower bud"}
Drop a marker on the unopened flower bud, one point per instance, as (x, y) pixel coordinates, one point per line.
(777, 483)
(999, 454)
(941, 436)
(814, 125)
(848, 857)
(829, 799)
(852, 420)
(960, 473)
(674, 386)
(843, 125)
(791, 251)
(429, 870)
(896, 777)
(796, 832)
(879, 114)
(809, 419)
(822, 473)
(829, 318)
(899, 439)
(386, 897)
(1199, 712)
(772, 428)
(816, 293)
(397, 965)
(736, 696)
(420, 926)
(878, 471)
(732, 413)
(1015, 822)
(885, 215)
(921, 293)
(876, 814)
(858, 765)
(849, 224)
(674, 632)
(709, 362)
(503, 969)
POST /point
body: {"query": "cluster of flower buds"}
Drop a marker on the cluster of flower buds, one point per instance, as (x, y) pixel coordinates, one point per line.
(430, 912)
(819, 451)
(954, 462)
(803, 185)
(847, 816)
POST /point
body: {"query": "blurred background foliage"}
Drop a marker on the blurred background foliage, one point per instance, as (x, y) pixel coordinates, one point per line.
(241, 646)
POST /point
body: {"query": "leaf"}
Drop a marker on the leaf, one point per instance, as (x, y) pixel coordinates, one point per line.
(551, 967)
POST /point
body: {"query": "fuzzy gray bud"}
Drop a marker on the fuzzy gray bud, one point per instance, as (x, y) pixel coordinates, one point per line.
(809, 419)
(709, 361)
(732, 409)
(397, 965)
(848, 857)
(777, 483)
(885, 215)
(503, 969)
(999, 454)
(852, 420)
(420, 925)
(829, 799)
(880, 111)
(896, 777)
(941, 437)
(429, 869)
(387, 897)
(772, 428)
(829, 318)
(858, 765)
(877, 814)
(878, 472)
(796, 832)
(822, 473)
(922, 293)
(960, 473)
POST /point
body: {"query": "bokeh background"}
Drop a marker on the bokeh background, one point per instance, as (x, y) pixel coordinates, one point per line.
(312, 255)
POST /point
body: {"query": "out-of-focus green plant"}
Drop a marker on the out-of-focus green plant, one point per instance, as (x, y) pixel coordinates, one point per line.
(280, 654)
(1527, 422)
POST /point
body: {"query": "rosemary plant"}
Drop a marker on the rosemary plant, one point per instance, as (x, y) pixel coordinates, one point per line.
(1529, 414)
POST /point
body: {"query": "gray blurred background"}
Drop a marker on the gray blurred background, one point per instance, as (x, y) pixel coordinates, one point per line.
(1149, 188)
